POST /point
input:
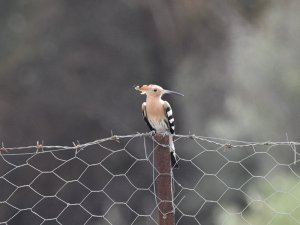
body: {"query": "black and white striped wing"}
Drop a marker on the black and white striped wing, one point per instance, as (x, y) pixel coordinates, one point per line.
(171, 125)
(169, 117)
(145, 116)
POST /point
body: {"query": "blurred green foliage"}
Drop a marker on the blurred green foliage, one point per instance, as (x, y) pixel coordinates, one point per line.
(270, 206)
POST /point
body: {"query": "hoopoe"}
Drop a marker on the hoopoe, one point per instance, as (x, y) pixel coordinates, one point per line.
(158, 114)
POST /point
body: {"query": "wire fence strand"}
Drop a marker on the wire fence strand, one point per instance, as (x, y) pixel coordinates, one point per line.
(222, 142)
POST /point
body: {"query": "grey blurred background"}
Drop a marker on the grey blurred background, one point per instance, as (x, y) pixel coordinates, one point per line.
(67, 68)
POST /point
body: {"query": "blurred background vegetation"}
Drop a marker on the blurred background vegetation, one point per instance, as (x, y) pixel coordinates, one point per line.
(269, 206)
(67, 69)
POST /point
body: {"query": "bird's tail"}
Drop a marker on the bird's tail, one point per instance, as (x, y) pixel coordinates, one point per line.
(174, 162)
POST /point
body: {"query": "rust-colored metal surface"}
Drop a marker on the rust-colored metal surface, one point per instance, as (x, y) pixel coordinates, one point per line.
(163, 182)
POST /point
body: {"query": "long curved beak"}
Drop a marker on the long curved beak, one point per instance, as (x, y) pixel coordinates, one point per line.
(172, 92)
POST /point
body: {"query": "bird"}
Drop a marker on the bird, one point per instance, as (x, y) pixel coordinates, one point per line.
(158, 114)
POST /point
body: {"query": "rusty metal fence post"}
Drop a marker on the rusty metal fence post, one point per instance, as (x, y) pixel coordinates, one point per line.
(163, 183)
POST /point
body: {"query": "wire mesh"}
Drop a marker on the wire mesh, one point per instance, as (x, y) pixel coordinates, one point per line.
(111, 181)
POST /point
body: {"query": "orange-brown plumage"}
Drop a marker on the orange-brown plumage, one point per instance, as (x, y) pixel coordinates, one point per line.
(155, 107)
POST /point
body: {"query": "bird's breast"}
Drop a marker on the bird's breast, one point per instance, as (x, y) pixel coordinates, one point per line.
(155, 110)
(159, 125)
(156, 115)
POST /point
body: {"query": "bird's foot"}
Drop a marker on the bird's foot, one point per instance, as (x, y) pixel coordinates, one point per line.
(152, 133)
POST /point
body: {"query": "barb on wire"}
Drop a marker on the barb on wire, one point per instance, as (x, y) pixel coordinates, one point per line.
(39, 147)
(293, 147)
(3, 149)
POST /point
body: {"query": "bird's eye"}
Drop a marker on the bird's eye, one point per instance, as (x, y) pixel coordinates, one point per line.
(155, 90)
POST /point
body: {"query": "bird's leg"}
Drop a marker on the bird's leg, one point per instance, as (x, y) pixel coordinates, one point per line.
(167, 133)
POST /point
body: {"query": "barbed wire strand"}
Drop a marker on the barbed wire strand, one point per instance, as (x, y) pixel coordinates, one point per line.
(222, 142)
